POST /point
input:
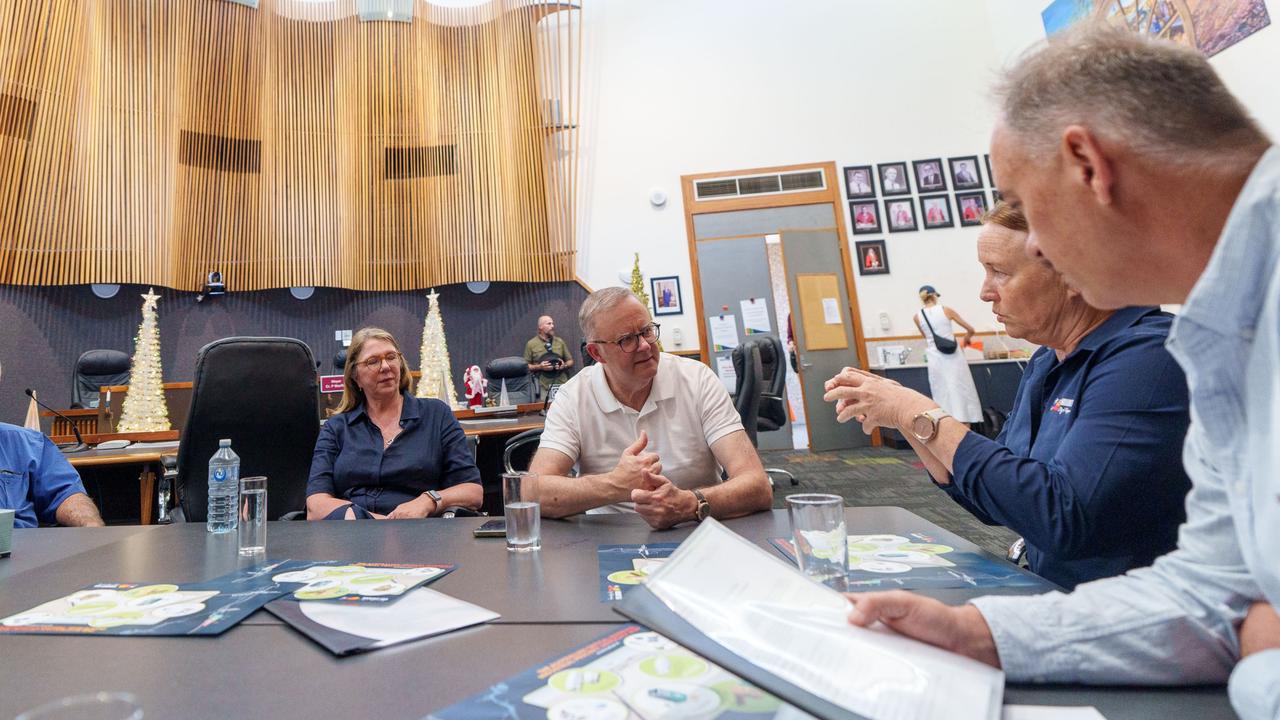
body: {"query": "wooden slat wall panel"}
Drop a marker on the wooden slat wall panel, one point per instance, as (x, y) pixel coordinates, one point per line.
(168, 139)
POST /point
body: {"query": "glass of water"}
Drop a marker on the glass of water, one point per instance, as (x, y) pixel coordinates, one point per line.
(820, 537)
(253, 516)
(523, 510)
(95, 706)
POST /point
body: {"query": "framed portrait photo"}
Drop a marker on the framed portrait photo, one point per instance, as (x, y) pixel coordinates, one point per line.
(665, 292)
(964, 173)
(859, 182)
(935, 210)
(893, 179)
(971, 207)
(873, 258)
(900, 214)
(929, 176)
(866, 217)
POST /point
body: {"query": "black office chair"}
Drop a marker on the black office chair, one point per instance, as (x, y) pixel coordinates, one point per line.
(94, 369)
(261, 393)
(520, 449)
(749, 398)
(514, 373)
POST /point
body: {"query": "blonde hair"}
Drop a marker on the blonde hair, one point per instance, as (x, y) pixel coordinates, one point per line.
(926, 296)
(1006, 216)
(1159, 98)
(352, 395)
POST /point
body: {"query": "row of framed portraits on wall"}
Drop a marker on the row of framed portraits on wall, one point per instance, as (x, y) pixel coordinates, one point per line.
(860, 181)
(900, 213)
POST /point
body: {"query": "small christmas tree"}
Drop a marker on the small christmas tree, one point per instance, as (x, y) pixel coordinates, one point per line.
(637, 282)
(435, 381)
(144, 407)
(637, 287)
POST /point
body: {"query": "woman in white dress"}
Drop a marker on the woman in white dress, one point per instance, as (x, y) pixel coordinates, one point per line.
(950, 383)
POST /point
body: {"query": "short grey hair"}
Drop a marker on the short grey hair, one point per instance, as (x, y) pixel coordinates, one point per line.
(1159, 98)
(598, 302)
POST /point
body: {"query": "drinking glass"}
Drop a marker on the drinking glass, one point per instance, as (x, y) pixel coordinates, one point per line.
(520, 504)
(820, 538)
(252, 524)
(94, 706)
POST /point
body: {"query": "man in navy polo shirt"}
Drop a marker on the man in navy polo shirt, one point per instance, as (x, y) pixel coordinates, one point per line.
(1088, 466)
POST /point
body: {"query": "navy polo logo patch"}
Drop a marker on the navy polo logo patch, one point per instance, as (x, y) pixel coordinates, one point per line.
(1062, 406)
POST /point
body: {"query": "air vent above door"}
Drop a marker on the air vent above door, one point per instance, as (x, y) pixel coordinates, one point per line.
(753, 185)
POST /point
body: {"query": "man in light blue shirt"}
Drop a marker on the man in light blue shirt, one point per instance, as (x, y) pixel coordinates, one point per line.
(1146, 182)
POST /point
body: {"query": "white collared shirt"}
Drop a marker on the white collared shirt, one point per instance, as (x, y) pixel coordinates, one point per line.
(687, 411)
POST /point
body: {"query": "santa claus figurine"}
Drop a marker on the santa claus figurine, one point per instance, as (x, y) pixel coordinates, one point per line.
(475, 386)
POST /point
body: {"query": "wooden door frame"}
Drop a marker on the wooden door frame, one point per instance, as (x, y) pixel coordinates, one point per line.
(831, 194)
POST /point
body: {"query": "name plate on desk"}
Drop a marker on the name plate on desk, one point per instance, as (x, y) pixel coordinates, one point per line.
(330, 383)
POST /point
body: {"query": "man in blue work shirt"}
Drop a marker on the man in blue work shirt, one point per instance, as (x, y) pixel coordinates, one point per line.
(38, 483)
(1088, 466)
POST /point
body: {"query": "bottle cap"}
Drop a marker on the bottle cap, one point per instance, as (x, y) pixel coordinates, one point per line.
(225, 442)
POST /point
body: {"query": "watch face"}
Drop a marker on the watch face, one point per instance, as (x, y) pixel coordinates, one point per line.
(922, 427)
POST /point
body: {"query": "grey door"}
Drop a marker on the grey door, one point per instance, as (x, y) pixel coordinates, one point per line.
(813, 259)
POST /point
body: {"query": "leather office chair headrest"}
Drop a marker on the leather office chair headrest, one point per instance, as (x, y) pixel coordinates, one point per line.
(506, 367)
(102, 362)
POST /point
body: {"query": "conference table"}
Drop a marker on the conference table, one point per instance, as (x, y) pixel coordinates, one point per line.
(549, 602)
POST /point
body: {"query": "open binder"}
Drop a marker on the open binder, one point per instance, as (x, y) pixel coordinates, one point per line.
(745, 610)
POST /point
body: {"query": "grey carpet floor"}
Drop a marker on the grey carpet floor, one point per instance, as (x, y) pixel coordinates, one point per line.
(882, 476)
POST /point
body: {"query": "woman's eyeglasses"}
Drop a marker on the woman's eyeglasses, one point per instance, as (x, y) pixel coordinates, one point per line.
(376, 361)
(630, 343)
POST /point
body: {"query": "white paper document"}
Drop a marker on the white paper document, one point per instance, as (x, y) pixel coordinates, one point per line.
(830, 311)
(724, 332)
(1048, 712)
(728, 376)
(421, 613)
(755, 316)
(766, 612)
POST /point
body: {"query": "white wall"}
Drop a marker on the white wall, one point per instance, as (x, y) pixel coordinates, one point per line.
(677, 87)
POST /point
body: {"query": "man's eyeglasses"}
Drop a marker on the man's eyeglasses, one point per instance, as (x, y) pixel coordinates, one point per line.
(630, 343)
(376, 361)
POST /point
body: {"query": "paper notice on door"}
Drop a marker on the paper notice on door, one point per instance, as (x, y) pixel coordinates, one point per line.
(724, 332)
(755, 316)
(724, 368)
(831, 311)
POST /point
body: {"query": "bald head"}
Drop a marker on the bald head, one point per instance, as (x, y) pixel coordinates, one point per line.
(546, 326)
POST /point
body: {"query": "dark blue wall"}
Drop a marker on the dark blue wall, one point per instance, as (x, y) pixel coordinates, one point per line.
(44, 330)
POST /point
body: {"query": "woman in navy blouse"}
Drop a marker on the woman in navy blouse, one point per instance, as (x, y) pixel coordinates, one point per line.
(1088, 467)
(387, 454)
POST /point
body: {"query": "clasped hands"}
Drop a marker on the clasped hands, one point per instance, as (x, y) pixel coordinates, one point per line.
(659, 502)
(872, 400)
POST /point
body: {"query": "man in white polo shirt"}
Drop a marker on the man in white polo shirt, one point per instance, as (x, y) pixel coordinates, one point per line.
(649, 431)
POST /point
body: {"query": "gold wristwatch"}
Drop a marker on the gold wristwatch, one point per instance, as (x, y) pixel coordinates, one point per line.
(925, 425)
(704, 508)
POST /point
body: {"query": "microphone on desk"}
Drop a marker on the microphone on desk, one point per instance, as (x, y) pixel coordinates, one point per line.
(80, 443)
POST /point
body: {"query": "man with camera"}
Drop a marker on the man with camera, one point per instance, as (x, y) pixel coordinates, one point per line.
(548, 355)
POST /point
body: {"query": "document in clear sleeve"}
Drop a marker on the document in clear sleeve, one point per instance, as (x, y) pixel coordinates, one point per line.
(766, 612)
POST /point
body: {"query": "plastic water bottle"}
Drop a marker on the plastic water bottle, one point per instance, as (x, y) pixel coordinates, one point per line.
(224, 488)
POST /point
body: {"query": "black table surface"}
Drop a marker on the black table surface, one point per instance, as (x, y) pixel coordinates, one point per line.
(37, 547)
(559, 584)
(549, 601)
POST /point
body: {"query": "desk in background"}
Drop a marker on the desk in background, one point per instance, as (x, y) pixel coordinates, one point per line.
(549, 601)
